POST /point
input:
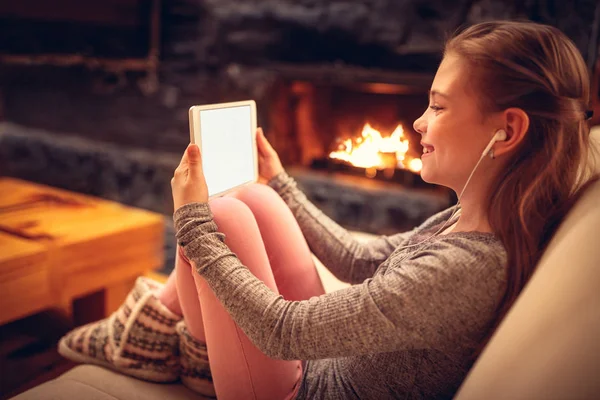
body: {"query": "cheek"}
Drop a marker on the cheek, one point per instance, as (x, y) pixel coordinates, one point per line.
(451, 151)
(452, 140)
(439, 127)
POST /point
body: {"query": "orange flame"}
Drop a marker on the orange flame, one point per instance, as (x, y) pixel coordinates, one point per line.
(372, 151)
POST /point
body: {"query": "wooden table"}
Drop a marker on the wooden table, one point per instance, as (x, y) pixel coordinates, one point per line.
(57, 246)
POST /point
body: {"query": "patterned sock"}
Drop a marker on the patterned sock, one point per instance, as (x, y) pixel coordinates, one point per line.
(195, 367)
(139, 339)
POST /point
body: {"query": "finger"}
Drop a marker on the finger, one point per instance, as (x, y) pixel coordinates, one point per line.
(264, 147)
(194, 159)
(184, 158)
(259, 140)
(267, 143)
(180, 172)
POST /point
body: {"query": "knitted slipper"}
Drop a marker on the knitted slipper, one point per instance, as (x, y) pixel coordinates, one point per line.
(195, 368)
(139, 339)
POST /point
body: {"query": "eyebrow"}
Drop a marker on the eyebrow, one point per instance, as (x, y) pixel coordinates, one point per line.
(435, 92)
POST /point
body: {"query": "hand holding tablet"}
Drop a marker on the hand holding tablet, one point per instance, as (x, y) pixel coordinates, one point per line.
(226, 136)
(233, 153)
(269, 164)
(188, 184)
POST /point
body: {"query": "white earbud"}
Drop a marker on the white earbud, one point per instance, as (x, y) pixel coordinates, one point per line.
(500, 136)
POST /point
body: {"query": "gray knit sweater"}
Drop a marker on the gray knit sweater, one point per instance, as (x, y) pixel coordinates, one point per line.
(405, 329)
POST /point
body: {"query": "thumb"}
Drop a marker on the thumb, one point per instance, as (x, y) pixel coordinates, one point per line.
(264, 146)
(194, 159)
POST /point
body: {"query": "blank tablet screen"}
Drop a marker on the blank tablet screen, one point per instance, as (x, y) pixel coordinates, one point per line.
(227, 152)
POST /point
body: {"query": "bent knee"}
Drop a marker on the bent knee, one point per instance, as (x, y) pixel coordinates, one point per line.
(256, 192)
(230, 210)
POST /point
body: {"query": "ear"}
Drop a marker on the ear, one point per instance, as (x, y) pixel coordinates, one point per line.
(516, 125)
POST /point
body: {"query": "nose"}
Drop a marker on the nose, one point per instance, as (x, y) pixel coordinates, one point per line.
(420, 124)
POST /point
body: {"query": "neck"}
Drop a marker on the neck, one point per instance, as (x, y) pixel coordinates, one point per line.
(473, 216)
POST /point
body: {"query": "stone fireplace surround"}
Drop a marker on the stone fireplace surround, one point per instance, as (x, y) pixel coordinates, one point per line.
(104, 133)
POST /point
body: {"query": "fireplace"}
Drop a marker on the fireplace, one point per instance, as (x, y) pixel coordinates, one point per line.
(359, 123)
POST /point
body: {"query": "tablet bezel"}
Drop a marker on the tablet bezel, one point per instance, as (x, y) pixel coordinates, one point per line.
(194, 117)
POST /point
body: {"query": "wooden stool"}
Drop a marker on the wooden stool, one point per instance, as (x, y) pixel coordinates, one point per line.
(57, 246)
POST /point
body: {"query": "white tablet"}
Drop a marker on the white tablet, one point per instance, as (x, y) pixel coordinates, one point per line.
(226, 135)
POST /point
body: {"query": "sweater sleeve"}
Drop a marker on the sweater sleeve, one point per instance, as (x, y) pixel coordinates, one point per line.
(348, 259)
(441, 296)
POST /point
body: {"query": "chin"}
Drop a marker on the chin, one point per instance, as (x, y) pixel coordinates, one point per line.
(428, 176)
(432, 178)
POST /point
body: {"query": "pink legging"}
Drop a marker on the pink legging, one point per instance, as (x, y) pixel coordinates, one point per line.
(261, 230)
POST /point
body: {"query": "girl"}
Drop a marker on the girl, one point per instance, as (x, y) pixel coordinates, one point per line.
(505, 129)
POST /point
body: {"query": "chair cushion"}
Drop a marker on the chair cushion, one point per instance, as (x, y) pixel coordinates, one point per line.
(91, 382)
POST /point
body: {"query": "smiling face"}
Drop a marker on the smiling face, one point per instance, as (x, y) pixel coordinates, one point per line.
(453, 130)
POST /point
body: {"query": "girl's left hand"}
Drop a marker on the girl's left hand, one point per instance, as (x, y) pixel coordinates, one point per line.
(188, 183)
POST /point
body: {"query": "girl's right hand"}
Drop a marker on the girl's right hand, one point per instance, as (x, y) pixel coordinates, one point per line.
(269, 164)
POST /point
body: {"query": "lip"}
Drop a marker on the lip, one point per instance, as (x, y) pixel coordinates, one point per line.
(425, 144)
